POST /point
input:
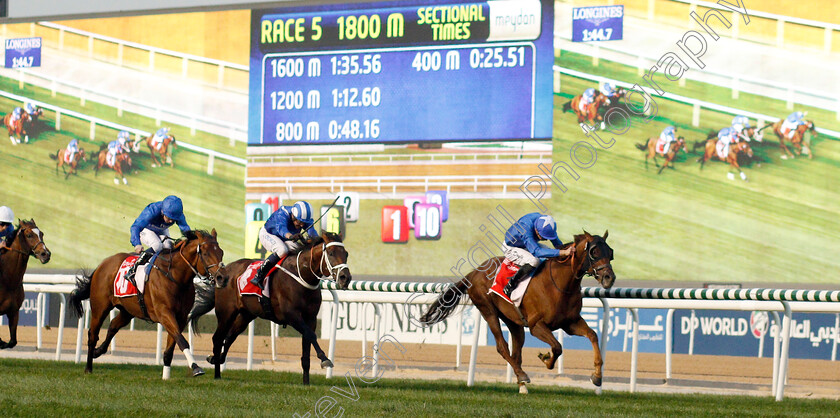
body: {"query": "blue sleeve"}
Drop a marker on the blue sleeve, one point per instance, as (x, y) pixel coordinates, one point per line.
(312, 232)
(141, 222)
(538, 250)
(182, 223)
(278, 223)
(557, 243)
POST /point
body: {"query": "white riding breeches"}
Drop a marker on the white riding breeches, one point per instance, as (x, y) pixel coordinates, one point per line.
(520, 256)
(154, 240)
(274, 244)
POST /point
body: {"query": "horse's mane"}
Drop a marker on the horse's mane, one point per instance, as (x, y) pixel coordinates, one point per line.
(187, 237)
(21, 222)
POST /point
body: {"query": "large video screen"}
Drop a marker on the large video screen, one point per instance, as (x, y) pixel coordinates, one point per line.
(401, 72)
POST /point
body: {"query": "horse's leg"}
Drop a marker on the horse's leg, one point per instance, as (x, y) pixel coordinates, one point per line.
(786, 152)
(664, 166)
(168, 353)
(517, 339)
(501, 345)
(12, 316)
(224, 321)
(579, 327)
(170, 323)
(733, 160)
(305, 351)
(296, 321)
(541, 331)
(122, 319)
(239, 324)
(97, 317)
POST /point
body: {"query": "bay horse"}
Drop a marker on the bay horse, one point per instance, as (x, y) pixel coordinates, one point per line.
(553, 301)
(652, 152)
(591, 112)
(60, 161)
(797, 140)
(293, 303)
(27, 241)
(169, 295)
(18, 128)
(122, 164)
(735, 149)
(161, 152)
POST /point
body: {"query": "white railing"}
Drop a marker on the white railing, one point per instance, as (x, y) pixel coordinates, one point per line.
(783, 302)
(139, 134)
(696, 104)
(735, 82)
(496, 156)
(828, 28)
(159, 113)
(152, 51)
(387, 186)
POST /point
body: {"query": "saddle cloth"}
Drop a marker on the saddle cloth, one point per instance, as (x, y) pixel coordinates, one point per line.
(722, 150)
(660, 145)
(504, 273)
(111, 159)
(122, 286)
(69, 156)
(583, 105)
(788, 129)
(157, 143)
(243, 282)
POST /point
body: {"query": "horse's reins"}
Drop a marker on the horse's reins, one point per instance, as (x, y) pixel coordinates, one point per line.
(589, 259)
(32, 249)
(203, 262)
(324, 258)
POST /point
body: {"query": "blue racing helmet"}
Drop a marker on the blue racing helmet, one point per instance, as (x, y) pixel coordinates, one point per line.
(124, 135)
(302, 211)
(30, 108)
(172, 207)
(608, 89)
(162, 132)
(546, 227)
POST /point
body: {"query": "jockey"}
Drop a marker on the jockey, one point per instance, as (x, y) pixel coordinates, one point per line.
(281, 235)
(160, 135)
(587, 97)
(611, 92)
(124, 137)
(726, 137)
(31, 108)
(523, 248)
(792, 122)
(151, 228)
(668, 135)
(741, 124)
(72, 149)
(16, 114)
(6, 227)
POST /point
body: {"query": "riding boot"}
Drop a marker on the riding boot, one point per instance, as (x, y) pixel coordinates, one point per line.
(266, 266)
(145, 256)
(521, 274)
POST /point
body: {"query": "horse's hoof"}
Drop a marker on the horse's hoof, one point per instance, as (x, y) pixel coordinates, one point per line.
(326, 364)
(211, 359)
(117, 182)
(523, 389)
(197, 371)
(596, 380)
(523, 379)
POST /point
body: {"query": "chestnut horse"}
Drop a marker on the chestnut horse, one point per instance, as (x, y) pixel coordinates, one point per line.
(18, 128)
(61, 162)
(553, 301)
(797, 140)
(731, 158)
(169, 295)
(650, 147)
(121, 164)
(27, 241)
(591, 113)
(293, 302)
(161, 152)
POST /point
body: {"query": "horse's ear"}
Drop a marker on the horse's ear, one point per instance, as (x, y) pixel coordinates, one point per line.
(213, 233)
(587, 234)
(606, 234)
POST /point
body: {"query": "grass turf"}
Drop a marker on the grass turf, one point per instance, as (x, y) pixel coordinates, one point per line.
(35, 388)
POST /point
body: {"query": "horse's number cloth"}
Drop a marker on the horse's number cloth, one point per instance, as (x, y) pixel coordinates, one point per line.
(244, 279)
(68, 156)
(503, 275)
(722, 150)
(122, 286)
(660, 145)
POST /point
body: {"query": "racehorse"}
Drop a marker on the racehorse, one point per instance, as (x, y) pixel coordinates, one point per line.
(591, 113)
(797, 139)
(169, 295)
(293, 302)
(26, 241)
(161, 150)
(553, 300)
(122, 163)
(18, 128)
(61, 162)
(652, 152)
(731, 158)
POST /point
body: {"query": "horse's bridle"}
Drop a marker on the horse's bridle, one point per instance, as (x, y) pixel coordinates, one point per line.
(325, 259)
(203, 262)
(592, 270)
(31, 249)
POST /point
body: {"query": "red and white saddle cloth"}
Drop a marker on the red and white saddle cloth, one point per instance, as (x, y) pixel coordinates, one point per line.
(660, 145)
(122, 286)
(111, 159)
(69, 156)
(788, 129)
(243, 282)
(157, 143)
(503, 275)
(722, 149)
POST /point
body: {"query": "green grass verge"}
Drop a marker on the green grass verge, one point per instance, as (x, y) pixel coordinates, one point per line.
(38, 388)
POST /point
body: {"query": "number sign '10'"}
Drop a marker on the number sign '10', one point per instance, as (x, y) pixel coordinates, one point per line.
(394, 224)
(427, 221)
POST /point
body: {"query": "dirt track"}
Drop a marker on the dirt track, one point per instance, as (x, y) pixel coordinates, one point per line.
(806, 378)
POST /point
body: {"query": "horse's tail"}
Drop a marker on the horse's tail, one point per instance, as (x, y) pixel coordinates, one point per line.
(81, 292)
(445, 304)
(205, 300)
(641, 147)
(55, 156)
(567, 106)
